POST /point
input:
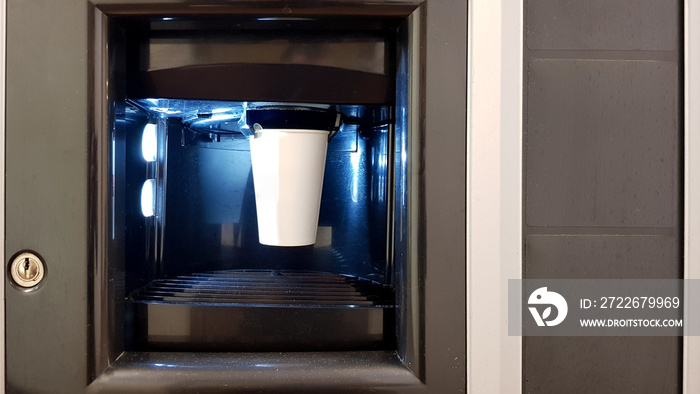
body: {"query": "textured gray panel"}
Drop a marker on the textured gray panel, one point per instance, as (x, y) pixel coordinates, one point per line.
(602, 257)
(602, 24)
(601, 365)
(602, 143)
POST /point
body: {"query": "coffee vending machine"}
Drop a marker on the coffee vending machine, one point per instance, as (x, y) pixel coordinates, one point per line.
(243, 196)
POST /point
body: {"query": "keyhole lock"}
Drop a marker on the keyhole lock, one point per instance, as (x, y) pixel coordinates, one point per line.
(27, 270)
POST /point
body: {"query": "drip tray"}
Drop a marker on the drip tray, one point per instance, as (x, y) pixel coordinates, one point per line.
(262, 310)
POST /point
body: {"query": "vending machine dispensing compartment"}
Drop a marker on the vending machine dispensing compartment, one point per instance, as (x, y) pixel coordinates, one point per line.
(254, 179)
(238, 254)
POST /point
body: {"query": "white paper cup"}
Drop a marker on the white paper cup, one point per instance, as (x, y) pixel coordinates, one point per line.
(288, 166)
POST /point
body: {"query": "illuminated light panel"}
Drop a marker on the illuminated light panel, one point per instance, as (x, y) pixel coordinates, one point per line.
(148, 198)
(149, 143)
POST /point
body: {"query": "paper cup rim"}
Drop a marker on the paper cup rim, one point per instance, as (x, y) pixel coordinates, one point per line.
(305, 131)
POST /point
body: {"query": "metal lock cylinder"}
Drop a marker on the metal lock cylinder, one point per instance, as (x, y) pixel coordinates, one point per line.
(27, 270)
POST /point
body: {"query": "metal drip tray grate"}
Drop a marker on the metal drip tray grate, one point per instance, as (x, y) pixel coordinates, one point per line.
(265, 287)
(262, 310)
